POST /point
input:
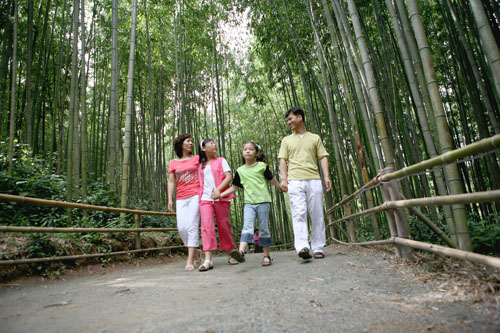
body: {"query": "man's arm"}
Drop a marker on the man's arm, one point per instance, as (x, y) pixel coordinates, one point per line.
(326, 173)
(283, 175)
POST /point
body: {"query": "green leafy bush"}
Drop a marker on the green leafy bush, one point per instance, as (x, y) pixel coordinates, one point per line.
(485, 235)
(31, 178)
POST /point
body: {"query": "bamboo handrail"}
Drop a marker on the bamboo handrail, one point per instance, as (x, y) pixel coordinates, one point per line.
(75, 230)
(54, 203)
(486, 196)
(438, 249)
(83, 256)
(455, 253)
(482, 146)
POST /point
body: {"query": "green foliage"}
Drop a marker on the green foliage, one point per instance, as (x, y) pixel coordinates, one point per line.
(31, 177)
(419, 231)
(485, 235)
(40, 246)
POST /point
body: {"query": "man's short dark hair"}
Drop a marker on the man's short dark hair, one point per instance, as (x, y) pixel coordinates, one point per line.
(178, 143)
(296, 111)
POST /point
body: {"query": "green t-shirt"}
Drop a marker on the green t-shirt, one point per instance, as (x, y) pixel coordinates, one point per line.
(302, 153)
(253, 180)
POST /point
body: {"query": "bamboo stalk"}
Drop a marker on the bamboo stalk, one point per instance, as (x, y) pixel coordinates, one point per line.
(482, 146)
(84, 256)
(459, 254)
(54, 203)
(70, 230)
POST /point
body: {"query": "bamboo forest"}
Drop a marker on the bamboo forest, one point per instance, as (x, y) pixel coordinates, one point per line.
(93, 94)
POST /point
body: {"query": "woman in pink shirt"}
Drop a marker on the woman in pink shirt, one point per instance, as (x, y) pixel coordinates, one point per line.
(183, 172)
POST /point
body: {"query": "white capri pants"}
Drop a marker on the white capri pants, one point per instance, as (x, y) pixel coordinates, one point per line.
(306, 196)
(188, 220)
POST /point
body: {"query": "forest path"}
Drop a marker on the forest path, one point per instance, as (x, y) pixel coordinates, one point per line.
(352, 289)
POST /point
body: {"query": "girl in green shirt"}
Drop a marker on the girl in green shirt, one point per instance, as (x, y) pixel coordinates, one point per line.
(252, 177)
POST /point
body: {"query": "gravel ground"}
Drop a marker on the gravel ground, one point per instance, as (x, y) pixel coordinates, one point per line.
(352, 289)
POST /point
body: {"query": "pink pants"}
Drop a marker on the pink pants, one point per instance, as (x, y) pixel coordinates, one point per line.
(221, 211)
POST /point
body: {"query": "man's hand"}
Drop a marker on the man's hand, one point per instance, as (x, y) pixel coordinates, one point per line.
(170, 206)
(284, 185)
(328, 184)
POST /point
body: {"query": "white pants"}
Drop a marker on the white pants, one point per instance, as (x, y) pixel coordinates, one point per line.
(188, 220)
(307, 196)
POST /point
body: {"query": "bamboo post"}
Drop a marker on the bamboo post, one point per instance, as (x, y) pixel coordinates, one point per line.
(137, 220)
(331, 226)
(350, 224)
(401, 226)
(386, 196)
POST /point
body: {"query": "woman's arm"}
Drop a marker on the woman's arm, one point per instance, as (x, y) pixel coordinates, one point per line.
(170, 190)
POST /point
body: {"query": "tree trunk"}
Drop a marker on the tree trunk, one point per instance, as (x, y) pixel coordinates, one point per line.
(451, 171)
(130, 104)
(488, 41)
(12, 123)
(72, 107)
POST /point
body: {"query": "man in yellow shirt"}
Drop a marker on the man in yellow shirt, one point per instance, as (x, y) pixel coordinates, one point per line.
(301, 178)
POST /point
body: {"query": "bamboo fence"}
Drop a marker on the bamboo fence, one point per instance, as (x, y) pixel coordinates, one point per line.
(479, 147)
(394, 202)
(84, 256)
(53, 203)
(438, 249)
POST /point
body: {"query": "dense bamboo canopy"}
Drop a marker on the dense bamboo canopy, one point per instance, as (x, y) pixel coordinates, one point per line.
(93, 92)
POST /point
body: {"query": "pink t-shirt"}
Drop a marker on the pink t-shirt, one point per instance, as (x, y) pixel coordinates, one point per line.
(186, 176)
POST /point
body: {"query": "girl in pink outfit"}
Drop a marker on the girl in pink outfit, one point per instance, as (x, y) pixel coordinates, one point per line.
(184, 173)
(215, 176)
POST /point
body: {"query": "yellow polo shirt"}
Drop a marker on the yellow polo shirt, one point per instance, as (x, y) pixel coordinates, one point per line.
(302, 152)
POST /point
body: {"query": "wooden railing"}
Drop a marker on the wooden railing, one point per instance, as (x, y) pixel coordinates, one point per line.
(394, 202)
(52, 203)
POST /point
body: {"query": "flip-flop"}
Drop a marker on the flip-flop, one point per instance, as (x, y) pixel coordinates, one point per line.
(319, 255)
(304, 254)
(189, 267)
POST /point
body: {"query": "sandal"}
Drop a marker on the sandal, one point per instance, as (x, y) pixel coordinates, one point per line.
(267, 261)
(237, 255)
(189, 267)
(206, 266)
(197, 261)
(232, 261)
(304, 253)
(319, 255)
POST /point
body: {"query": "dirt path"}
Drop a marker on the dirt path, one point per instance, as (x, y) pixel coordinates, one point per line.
(350, 290)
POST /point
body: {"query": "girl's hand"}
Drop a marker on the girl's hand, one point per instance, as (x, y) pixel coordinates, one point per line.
(170, 206)
(215, 194)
